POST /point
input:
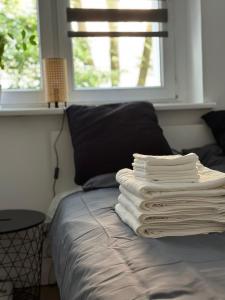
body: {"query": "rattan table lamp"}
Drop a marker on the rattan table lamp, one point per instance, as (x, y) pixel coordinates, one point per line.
(55, 80)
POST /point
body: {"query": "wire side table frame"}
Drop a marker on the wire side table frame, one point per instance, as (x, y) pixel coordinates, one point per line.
(21, 253)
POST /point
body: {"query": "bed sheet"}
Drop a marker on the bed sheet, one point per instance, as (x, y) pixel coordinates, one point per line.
(97, 257)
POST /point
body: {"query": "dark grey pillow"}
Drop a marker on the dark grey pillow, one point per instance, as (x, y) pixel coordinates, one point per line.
(216, 121)
(210, 156)
(101, 181)
(105, 137)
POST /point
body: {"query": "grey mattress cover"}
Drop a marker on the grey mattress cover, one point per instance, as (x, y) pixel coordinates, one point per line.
(98, 257)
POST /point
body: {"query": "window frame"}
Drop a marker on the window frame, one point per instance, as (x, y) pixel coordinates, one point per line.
(54, 42)
(29, 97)
(165, 93)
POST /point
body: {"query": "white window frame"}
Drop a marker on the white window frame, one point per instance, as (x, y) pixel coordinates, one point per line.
(54, 42)
(49, 47)
(165, 93)
(20, 97)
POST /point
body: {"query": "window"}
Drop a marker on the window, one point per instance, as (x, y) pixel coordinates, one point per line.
(18, 21)
(104, 62)
(125, 67)
(101, 69)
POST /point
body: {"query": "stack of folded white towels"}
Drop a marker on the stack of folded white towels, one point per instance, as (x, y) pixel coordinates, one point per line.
(171, 195)
(170, 168)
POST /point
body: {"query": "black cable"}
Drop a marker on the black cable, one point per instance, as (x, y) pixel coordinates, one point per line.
(56, 171)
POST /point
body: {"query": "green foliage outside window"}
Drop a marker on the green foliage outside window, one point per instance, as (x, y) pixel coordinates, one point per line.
(20, 59)
(86, 74)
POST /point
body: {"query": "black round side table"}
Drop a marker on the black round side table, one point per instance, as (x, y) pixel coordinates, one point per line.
(21, 240)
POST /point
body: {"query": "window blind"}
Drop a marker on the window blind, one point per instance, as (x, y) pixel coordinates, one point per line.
(119, 15)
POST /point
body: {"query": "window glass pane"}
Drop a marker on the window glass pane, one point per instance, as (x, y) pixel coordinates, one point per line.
(119, 62)
(19, 23)
(103, 62)
(123, 4)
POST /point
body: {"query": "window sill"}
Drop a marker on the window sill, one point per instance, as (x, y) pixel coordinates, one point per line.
(7, 112)
(184, 106)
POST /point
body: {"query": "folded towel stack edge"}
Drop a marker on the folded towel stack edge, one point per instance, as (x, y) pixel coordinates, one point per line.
(161, 208)
(169, 168)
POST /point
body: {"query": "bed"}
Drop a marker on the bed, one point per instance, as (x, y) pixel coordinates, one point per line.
(97, 257)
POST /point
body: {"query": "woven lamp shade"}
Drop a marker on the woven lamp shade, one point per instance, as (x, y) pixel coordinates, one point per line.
(56, 80)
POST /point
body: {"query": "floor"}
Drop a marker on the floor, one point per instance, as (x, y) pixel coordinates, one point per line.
(50, 292)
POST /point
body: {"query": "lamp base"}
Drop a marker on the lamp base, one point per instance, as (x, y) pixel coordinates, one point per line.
(56, 104)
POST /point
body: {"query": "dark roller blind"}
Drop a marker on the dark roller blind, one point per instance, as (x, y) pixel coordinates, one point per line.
(159, 15)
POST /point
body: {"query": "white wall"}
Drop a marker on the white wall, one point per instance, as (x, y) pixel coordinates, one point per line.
(213, 27)
(194, 52)
(27, 160)
(200, 48)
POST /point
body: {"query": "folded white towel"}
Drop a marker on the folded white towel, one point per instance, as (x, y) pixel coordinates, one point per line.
(173, 177)
(167, 160)
(178, 200)
(142, 168)
(168, 172)
(216, 194)
(175, 229)
(209, 179)
(151, 169)
(173, 213)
